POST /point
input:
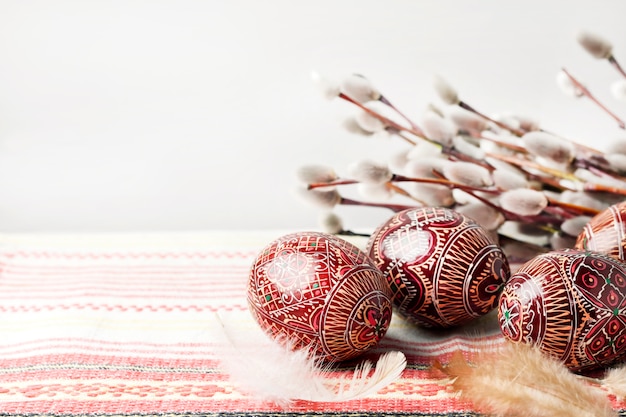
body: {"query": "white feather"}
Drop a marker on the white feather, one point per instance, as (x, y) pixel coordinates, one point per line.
(270, 371)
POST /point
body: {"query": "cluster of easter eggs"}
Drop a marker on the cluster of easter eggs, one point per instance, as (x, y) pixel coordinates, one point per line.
(438, 268)
(435, 266)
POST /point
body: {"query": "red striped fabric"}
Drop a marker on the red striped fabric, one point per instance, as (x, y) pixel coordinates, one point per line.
(126, 325)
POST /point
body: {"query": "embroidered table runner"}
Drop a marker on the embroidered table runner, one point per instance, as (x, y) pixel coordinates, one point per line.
(125, 325)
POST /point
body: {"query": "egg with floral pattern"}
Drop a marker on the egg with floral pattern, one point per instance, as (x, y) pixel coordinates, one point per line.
(442, 268)
(319, 292)
(571, 304)
(606, 232)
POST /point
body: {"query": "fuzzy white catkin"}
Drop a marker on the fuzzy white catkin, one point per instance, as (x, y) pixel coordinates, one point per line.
(368, 123)
(592, 178)
(331, 222)
(424, 150)
(549, 146)
(464, 146)
(466, 120)
(309, 174)
(582, 198)
(431, 194)
(352, 126)
(526, 123)
(489, 146)
(438, 129)
(567, 86)
(370, 172)
(616, 146)
(506, 120)
(617, 162)
(377, 192)
(359, 88)
(575, 225)
(523, 201)
(561, 241)
(487, 217)
(618, 90)
(463, 198)
(423, 168)
(435, 109)
(329, 89)
(446, 92)
(320, 198)
(506, 179)
(597, 46)
(398, 161)
(468, 173)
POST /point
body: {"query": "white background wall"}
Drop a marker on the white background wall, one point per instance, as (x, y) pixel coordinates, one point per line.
(194, 115)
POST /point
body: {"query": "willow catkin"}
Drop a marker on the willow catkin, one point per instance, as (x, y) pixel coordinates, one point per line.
(359, 88)
(467, 173)
(523, 201)
(596, 45)
(370, 172)
(618, 89)
(506, 179)
(439, 129)
(549, 146)
(315, 173)
(369, 123)
(331, 222)
(446, 92)
(326, 199)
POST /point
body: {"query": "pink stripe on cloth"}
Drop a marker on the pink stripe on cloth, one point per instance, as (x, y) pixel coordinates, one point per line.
(95, 325)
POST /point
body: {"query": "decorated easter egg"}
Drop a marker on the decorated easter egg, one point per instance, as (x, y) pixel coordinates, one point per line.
(319, 292)
(571, 304)
(442, 268)
(606, 232)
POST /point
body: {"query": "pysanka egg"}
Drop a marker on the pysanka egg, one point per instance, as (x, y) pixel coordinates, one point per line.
(442, 268)
(606, 232)
(571, 304)
(319, 292)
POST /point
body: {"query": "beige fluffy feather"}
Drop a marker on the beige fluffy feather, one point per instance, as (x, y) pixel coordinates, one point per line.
(614, 381)
(519, 380)
(267, 370)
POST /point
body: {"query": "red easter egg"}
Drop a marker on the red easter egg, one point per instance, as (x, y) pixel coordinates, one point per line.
(606, 232)
(319, 292)
(442, 267)
(571, 304)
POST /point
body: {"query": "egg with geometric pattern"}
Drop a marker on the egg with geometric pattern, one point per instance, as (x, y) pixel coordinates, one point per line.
(606, 232)
(319, 292)
(571, 304)
(442, 268)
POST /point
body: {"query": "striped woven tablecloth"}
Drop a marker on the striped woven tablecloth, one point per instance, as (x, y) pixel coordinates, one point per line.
(125, 325)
